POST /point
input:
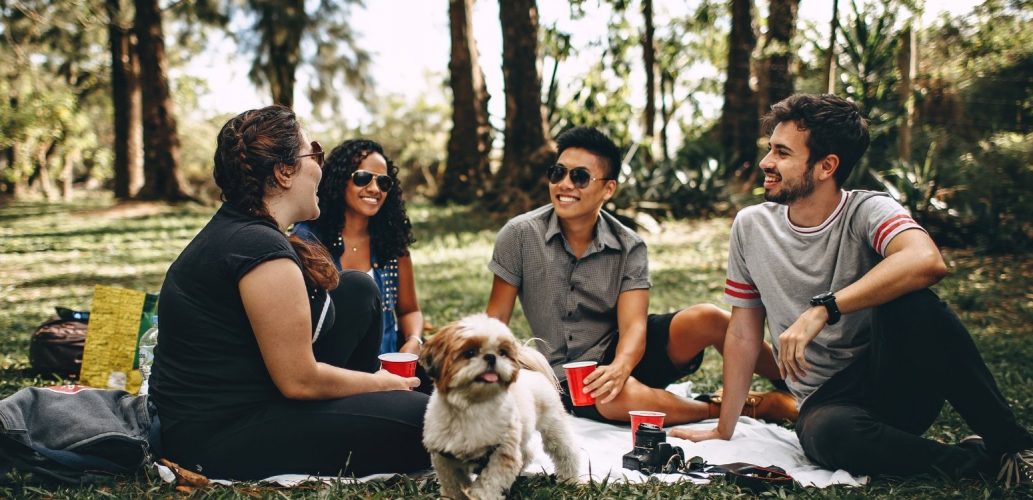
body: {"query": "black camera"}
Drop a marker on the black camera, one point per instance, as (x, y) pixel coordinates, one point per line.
(652, 453)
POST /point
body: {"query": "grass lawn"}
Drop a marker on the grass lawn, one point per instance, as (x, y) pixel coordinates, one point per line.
(53, 254)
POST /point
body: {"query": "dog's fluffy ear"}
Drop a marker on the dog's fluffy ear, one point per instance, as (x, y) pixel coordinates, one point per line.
(433, 354)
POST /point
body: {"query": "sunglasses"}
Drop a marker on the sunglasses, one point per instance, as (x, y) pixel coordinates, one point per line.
(362, 178)
(579, 176)
(316, 154)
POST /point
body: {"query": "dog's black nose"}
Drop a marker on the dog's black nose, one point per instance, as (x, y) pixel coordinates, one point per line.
(490, 359)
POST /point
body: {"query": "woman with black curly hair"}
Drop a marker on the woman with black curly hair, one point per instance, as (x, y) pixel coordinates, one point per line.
(363, 223)
(249, 377)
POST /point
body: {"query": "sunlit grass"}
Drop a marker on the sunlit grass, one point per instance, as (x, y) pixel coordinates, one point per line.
(53, 254)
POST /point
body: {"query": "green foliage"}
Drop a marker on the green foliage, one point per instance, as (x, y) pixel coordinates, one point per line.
(975, 112)
(599, 97)
(53, 73)
(870, 77)
(690, 185)
(54, 255)
(996, 194)
(283, 35)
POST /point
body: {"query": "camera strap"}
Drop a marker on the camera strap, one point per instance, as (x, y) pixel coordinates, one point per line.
(694, 467)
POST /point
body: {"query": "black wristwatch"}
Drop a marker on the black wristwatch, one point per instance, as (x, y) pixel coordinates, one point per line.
(828, 300)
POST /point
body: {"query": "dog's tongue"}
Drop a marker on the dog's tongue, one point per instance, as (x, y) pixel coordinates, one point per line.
(490, 377)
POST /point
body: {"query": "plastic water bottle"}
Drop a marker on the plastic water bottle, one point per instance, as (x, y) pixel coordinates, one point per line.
(145, 353)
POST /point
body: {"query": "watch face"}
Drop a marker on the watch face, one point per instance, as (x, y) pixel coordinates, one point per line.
(818, 299)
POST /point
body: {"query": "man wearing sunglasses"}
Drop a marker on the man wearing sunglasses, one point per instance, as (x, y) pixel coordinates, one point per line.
(583, 282)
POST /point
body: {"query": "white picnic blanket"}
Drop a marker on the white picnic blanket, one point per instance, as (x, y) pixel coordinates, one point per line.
(756, 442)
(602, 446)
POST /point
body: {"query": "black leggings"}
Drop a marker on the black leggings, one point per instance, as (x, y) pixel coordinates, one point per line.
(356, 435)
(869, 418)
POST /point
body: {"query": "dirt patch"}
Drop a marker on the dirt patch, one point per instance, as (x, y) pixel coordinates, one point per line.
(127, 209)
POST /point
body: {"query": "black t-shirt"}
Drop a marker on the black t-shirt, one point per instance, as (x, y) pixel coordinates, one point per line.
(207, 363)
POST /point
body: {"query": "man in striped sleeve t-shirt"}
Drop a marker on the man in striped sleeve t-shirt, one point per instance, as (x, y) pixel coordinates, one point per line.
(842, 278)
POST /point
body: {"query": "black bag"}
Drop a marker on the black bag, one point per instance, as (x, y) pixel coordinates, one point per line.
(57, 345)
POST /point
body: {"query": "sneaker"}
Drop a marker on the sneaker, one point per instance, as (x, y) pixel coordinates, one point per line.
(1017, 469)
(974, 442)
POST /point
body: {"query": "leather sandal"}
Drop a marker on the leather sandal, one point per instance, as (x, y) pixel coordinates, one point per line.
(773, 406)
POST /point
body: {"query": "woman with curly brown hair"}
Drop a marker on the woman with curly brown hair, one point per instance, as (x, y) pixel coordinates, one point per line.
(363, 223)
(250, 379)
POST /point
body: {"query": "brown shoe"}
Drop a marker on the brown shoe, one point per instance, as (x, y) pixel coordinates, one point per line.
(773, 406)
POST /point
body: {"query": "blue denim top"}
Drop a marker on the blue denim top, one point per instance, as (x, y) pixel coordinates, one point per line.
(384, 274)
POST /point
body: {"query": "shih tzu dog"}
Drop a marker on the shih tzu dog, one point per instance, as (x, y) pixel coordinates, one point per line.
(491, 393)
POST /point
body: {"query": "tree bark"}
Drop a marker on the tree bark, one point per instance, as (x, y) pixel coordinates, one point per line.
(649, 64)
(666, 112)
(10, 161)
(778, 48)
(41, 175)
(906, 63)
(67, 173)
(125, 99)
(162, 177)
(283, 24)
(7, 158)
(830, 54)
(520, 185)
(739, 122)
(467, 171)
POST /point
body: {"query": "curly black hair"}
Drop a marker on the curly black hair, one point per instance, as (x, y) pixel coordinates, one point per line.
(390, 230)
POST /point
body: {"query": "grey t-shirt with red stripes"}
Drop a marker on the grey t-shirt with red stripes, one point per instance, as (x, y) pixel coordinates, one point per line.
(779, 266)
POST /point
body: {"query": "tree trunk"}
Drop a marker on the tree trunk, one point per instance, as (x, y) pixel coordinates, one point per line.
(125, 99)
(666, 112)
(467, 170)
(649, 64)
(10, 162)
(739, 123)
(67, 174)
(41, 175)
(520, 185)
(830, 54)
(6, 162)
(283, 23)
(162, 178)
(906, 62)
(778, 48)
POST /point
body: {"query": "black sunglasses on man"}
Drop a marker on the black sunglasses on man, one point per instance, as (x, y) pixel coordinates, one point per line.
(579, 176)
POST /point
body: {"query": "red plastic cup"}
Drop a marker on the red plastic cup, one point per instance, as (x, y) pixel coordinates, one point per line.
(645, 417)
(576, 373)
(402, 364)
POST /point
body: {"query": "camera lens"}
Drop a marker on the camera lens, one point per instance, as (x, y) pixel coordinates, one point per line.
(649, 436)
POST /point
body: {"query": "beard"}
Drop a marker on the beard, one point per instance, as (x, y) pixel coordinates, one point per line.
(794, 190)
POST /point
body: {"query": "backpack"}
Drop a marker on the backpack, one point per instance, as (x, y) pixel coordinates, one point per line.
(57, 345)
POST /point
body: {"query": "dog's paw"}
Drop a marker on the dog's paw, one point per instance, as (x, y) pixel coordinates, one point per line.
(481, 493)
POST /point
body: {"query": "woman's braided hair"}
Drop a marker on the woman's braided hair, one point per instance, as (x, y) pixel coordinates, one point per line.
(390, 231)
(250, 147)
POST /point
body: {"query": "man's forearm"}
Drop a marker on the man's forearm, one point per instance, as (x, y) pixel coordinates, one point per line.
(904, 270)
(631, 346)
(740, 358)
(743, 343)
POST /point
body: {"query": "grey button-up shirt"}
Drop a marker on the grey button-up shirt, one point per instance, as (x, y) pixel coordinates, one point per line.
(570, 303)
